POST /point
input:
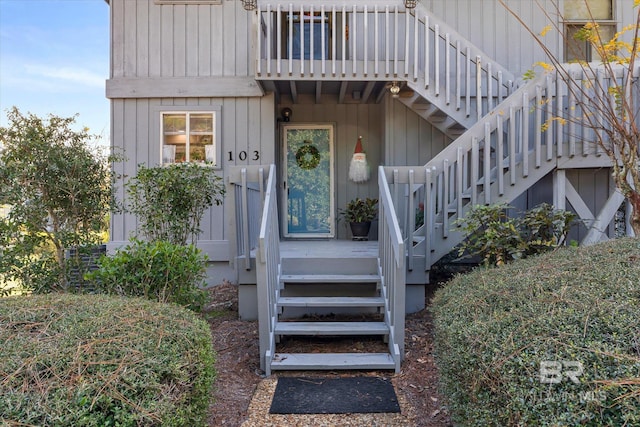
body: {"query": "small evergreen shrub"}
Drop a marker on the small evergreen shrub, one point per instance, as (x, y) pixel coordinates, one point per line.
(96, 360)
(498, 238)
(157, 270)
(511, 340)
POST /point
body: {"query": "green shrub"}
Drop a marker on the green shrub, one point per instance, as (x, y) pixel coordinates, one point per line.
(157, 270)
(170, 201)
(95, 360)
(496, 329)
(498, 238)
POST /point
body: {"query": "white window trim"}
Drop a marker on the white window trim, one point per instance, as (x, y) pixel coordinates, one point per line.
(158, 137)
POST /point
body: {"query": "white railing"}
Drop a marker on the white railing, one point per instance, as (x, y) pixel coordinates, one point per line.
(392, 269)
(377, 41)
(496, 160)
(247, 192)
(268, 272)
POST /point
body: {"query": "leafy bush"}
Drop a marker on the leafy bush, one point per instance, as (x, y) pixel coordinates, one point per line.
(59, 191)
(498, 239)
(169, 201)
(158, 270)
(509, 339)
(95, 360)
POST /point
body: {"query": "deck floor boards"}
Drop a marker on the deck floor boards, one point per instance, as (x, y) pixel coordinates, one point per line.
(328, 249)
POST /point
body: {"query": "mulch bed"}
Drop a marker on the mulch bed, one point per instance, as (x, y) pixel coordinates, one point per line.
(236, 344)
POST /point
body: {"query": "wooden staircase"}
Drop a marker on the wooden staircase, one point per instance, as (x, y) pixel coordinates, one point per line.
(352, 290)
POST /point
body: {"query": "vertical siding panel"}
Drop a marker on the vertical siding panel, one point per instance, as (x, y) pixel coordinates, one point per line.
(142, 39)
(242, 132)
(131, 161)
(130, 43)
(253, 132)
(413, 139)
(217, 18)
(227, 32)
(229, 130)
(117, 38)
(117, 137)
(242, 41)
(179, 41)
(204, 40)
(267, 139)
(192, 43)
(167, 41)
(155, 40)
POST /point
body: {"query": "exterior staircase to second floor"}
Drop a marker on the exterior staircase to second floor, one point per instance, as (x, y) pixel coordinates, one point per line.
(445, 79)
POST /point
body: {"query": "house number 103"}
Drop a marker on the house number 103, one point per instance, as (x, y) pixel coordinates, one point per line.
(242, 155)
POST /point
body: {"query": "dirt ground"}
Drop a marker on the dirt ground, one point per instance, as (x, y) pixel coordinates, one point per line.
(236, 343)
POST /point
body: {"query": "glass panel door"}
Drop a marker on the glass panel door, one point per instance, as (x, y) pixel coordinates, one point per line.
(308, 181)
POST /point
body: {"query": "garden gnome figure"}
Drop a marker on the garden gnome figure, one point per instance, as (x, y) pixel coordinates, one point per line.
(359, 169)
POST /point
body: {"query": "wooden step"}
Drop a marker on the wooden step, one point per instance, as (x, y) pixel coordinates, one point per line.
(329, 361)
(329, 278)
(331, 302)
(331, 328)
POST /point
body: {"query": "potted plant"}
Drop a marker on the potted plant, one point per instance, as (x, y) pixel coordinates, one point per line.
(359, 213)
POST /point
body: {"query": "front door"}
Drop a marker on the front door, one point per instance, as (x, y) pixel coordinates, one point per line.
(308, 181)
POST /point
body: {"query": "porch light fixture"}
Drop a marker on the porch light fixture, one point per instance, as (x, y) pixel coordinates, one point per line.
(410, 4)
(286, 114)
(394, 89)
(249, 4)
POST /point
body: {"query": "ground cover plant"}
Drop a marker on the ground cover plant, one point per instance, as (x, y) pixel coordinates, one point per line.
(96, 360)
(549, 340)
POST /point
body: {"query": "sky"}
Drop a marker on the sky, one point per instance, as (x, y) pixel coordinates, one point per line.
(54, 59)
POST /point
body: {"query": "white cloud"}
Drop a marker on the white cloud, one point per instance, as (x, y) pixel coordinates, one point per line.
(73, 75)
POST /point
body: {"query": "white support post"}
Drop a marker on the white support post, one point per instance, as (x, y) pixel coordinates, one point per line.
(559, 188)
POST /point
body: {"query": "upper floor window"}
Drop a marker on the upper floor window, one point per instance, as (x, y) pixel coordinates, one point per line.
(190, 137)
(305, 29)
(578, 13)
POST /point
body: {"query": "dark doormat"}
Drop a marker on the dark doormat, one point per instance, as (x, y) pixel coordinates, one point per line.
(349, 395)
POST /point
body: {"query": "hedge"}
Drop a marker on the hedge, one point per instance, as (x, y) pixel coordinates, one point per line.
(95, 360)
(550, 340)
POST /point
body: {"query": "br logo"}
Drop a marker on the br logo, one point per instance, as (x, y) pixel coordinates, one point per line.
(554, 371)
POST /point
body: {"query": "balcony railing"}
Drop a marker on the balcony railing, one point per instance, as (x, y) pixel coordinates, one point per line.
(377, 41)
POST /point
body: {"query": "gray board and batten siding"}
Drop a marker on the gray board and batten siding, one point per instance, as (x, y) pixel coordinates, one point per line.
(199, 57)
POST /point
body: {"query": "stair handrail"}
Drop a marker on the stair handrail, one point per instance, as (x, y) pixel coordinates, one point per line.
(268, 272)
(392, 268)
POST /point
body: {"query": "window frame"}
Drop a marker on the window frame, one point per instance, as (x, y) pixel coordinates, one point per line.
(216, 131)
(579, 23)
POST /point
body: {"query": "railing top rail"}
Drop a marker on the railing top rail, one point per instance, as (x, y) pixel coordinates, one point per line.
(234, 173)
(391, 219)
(360, 5)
